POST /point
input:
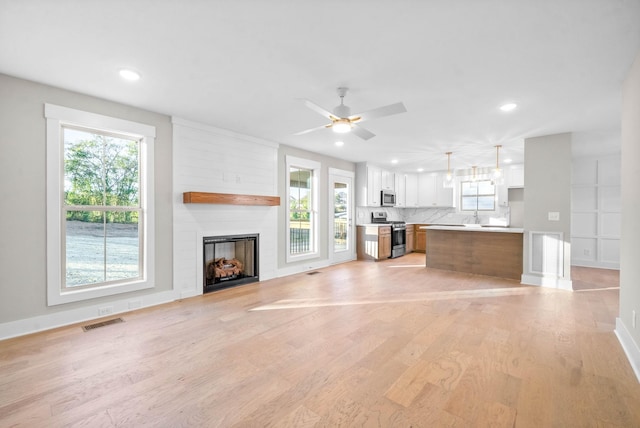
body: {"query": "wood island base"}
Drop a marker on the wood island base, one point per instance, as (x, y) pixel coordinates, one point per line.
(484, 253)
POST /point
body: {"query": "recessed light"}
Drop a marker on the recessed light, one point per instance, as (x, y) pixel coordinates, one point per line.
(394, 161)
(508, 107)
(420, 169)
(508, 160)
(339, 143)
(128, 74)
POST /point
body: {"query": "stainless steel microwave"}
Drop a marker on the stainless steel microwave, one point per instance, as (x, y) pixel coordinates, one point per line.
(387, 198)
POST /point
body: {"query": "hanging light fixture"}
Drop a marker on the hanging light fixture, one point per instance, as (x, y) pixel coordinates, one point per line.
(448, 182)
(497, 173)
(474, 177)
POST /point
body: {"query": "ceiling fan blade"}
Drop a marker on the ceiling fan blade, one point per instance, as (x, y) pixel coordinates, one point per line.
(380, 112)
(312, 129)
(315, 107)
(362, 133)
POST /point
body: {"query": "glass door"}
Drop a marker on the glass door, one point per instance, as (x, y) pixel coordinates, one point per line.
(341, 230)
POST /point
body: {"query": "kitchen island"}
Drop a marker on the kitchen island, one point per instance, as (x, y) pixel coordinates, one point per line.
(482, 250)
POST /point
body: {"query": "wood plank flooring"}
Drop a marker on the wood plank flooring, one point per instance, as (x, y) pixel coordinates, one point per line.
(386, 344)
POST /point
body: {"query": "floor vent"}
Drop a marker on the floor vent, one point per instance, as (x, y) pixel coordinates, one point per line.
(102, 324)
(313, 273)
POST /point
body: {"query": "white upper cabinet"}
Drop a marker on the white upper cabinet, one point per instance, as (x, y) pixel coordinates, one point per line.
(370, 181)
(426, 190)
(401, 190)
(444, 195)
(411, 190)
(387, 180)
(514, 176)
(432, 193)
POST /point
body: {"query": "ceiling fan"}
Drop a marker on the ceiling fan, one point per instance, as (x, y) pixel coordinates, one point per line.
(343, 121)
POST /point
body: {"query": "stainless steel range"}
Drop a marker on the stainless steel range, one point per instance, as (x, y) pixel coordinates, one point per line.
(398, 232)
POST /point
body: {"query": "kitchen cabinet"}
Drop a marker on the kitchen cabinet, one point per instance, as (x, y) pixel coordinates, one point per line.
(401, 190)
(444, 195)
(387, 180)
(373, 242)
(411, 190)
(432, 193)
(514, 176)
(410, 238)
(426, 190)
(384, 242)
(420, 245)
(370, 180)
(374, 185)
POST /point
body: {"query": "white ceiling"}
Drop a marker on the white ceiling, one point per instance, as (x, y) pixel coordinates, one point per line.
(241, 65)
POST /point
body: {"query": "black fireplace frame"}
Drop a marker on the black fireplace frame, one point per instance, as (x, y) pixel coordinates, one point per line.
(228, 283)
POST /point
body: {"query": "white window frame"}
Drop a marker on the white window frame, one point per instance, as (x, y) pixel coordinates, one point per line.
(292, 161)
(56, 117)
(495, 195)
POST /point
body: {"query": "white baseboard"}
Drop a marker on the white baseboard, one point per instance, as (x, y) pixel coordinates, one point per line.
(630, 348)
(548, 282)
(72, 316)
(598, 265)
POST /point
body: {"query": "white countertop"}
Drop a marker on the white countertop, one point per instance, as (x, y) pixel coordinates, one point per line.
(476, 228)
(374, 224)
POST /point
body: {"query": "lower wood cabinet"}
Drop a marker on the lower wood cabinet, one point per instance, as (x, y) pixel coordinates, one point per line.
(409, 243)
(373, 242)
(420, 238)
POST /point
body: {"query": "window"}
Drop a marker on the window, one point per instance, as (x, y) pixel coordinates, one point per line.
(302, 179)
(99, 205)
(477, 195)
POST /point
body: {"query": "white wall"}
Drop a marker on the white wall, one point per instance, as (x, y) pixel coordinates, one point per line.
(208, 159)
(629, 334)
(596, 212)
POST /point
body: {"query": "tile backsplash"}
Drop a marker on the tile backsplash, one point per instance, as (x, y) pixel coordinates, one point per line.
(435, 215)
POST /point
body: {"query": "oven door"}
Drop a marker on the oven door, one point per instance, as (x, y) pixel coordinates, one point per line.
(398, 241)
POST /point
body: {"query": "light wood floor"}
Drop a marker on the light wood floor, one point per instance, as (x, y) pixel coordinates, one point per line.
(387, 344)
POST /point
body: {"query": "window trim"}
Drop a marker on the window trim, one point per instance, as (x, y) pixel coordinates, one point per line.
(495, 193)
(292, 161)
(56, 116)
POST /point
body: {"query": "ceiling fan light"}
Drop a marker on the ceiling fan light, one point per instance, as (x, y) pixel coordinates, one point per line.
(341, 126)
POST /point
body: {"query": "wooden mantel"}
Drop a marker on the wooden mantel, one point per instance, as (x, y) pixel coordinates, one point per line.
(229, 199)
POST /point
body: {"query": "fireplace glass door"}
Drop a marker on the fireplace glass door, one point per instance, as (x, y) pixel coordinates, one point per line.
(229, 261)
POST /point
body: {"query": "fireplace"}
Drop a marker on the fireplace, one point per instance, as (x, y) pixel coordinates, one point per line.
(229, 261)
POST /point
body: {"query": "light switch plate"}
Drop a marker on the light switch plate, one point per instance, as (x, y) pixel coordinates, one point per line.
(554, 216)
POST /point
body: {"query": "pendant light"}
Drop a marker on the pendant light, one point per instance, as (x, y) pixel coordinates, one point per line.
(474, 177)
(448, 182)
(497, 173)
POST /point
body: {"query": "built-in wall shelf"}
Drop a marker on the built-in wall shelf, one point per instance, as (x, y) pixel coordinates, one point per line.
(229, 199)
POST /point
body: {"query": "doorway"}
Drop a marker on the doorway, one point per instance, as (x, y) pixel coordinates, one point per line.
(341, 211)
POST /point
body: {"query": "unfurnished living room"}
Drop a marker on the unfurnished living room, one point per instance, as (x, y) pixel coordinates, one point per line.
(339, 213)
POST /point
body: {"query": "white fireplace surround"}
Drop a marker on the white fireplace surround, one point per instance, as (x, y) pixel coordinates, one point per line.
(206, 159)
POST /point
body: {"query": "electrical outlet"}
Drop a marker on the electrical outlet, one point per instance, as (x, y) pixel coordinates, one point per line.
(554, 216)
(106, 310)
